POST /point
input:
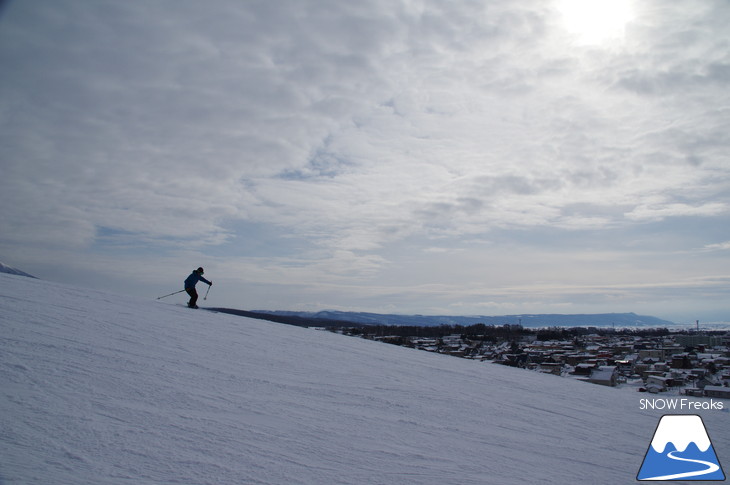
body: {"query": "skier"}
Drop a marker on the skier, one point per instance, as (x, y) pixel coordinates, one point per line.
(190, 282)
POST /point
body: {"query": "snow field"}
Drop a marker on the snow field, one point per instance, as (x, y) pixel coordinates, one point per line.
(104, 389)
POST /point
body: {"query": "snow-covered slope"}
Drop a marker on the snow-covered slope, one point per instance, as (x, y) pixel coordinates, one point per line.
(97, 388)
(4, 268)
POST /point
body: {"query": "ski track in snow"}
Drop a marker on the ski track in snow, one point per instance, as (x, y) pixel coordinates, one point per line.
(103, 389)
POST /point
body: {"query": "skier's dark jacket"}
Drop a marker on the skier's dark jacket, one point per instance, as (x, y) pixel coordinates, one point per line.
(193, 279)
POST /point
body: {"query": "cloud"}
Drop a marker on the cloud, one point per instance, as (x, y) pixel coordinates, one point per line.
(723, 246)
(335, 140)
(662, 211)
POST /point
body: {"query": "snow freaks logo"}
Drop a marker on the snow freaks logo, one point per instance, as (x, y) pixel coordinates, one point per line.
(680, 450)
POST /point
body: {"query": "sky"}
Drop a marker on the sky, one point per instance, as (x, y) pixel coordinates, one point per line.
(401, 156)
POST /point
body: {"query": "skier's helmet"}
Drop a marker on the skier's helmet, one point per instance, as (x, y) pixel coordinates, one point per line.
(200, 270)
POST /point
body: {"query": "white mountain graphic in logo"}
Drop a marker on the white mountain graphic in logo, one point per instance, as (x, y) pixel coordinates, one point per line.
(681, 450)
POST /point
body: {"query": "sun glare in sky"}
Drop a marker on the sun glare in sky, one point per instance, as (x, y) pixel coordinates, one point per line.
(595, 21)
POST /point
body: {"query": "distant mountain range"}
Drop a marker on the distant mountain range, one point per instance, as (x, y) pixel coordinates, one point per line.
(4, 268)
(340, 318)
(618, 320)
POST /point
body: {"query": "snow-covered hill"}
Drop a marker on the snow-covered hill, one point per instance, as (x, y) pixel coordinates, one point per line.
(4, 268)
(96, 388)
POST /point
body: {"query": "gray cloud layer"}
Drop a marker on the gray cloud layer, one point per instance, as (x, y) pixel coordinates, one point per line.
(355, 132)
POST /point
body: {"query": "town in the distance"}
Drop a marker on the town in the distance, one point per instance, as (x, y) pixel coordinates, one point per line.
(692, 363)
(656, 360)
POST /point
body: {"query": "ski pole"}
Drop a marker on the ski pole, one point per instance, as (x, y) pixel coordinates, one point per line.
(161, 297)
(206, 293)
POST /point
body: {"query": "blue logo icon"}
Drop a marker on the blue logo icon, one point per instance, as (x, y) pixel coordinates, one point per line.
(681, 450)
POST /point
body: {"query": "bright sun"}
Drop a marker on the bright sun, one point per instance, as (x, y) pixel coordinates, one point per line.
(595, 21)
